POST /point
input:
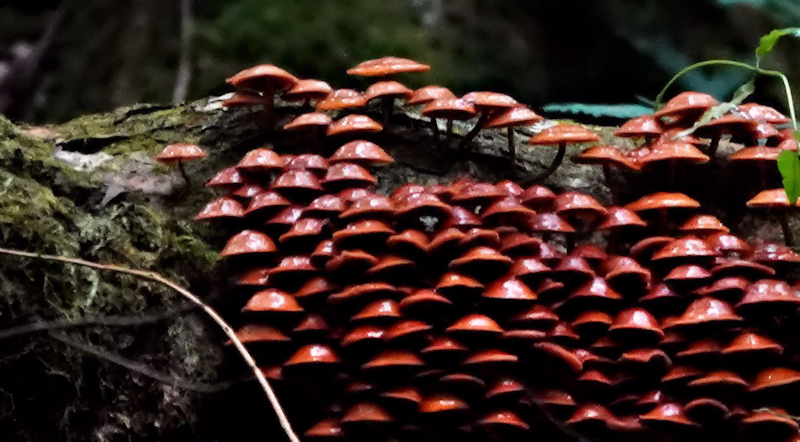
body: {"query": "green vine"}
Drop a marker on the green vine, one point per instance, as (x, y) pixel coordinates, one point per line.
(788, 161)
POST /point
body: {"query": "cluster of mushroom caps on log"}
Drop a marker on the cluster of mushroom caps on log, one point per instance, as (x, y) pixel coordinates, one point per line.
(495, 311)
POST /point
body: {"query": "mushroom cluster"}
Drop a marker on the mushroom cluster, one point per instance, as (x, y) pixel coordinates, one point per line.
(496, 311)
(484, 308)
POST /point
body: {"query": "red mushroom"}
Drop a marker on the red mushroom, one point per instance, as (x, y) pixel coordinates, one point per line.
(178, 153)
(561, 135)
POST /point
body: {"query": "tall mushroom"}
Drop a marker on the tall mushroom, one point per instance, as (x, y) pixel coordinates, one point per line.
(449, 109)
(178, 153)
(777, 200)
(511, 118)
(561, 134)
(268, 80)
(488, 104)
(387, 92)
(606, 156)
(306, 91)
(386, 67)
(425, 95)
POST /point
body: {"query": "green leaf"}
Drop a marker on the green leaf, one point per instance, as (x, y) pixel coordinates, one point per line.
(624, 110)
(796, 134)
(768, 41)
(789, 166)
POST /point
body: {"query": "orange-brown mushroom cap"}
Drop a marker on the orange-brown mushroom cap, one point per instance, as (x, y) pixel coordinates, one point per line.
(180, 152)
(384, 66)
(263, 78)
(354, 124)
(564, 133)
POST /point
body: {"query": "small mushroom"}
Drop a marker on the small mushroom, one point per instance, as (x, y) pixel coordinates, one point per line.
(488, 104)
(177, 154)
(450, 109)
(267, 79)
(308, 90)
(561, 135)
(776, 200)
(511, 118)
(387, 92)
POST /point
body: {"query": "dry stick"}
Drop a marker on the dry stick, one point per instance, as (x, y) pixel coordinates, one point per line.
(153, 276)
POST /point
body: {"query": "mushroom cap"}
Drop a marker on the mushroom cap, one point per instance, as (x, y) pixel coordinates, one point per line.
(381, 67)
(503, 418)
(550, 222)
(764, 154)
(618, 217)
(354, 124)
(719, 378)
(244, 99)
(412, 239)
(577, 203)
(770, 292)
(490, 101)
(312, 324)
(272, 300)
(564, 133)
(267, 202)
(308, 121)
(513, 117)
(382, 89)
(406, 328)
(265, 78)
(310, 161)
(763, 114)
(260, 333)
(668, 413)
(605, 155)
(640, 126)
(363, 334)
(248, 242)
(373, 206)
(308, 89)
(261, 160)
(690, 102)
(537, 197)
(768, 199)
(747, 343)
(325, 205)
(688, 272)
(313, 354)
(636, 321)
(342, 99)
(509, 289)
(422, 204)
(221, 208)
(442, 403)
(702, 224)
(707, 310)
(293, 181)
(380, 309)
(366, 412)
(363, 229)
(687, 247)
(674, 151)
(394, 358)
(348, 173)
(663, 200)
(475, 323)
(489, 356)
(426, 94)
(180, 152)
(480, 255)
(478, 193)
(229, 179)
(450, 109)
(774, 377)
(361, 152)
(326, 428)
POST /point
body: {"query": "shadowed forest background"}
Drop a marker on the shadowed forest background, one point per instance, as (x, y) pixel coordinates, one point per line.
(63, 58)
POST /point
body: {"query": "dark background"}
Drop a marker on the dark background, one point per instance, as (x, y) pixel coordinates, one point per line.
(62, 58)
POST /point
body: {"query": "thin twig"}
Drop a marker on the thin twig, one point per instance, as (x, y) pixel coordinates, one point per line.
(140, 368)
(153, 276)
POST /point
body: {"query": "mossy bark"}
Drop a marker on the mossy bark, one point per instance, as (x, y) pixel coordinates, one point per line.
(89, 189)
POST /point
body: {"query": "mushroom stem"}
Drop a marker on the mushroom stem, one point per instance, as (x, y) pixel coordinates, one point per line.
(609, 181)
(474, 132)
(269, 112)
(435, 129)
(649, 138)
(184, 175)
(712, 147)
(388, 104)
(512, 151)
(783, 218)
(762, 174)
(449, 134)
(562, 151)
